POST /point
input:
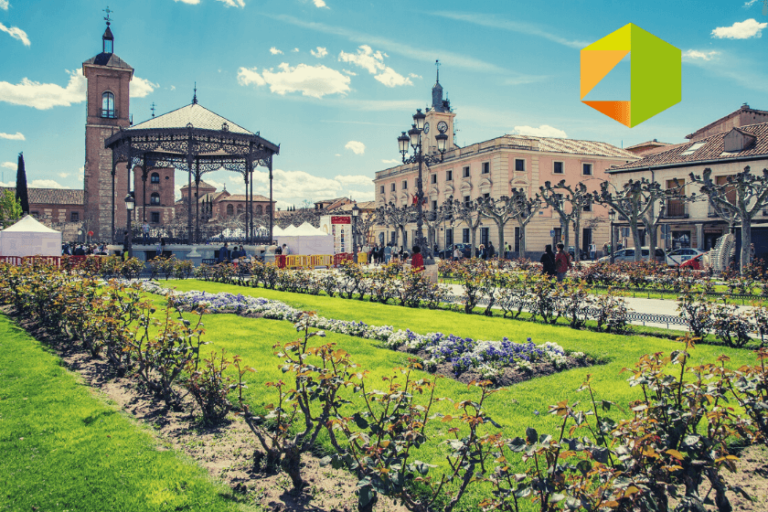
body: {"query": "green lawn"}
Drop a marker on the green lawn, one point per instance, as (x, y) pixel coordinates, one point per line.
(63, 447)
(515, 408)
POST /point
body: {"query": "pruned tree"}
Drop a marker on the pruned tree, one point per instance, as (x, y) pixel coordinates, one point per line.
(363, 227)
(397, 217)
(631, 202)
(579, 199)
(748, 196)
(555, 200)
(658, 199)
(467, 213)
(526, 209)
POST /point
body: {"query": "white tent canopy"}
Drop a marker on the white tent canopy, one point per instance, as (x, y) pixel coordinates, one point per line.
(305, 240)
(28, 237)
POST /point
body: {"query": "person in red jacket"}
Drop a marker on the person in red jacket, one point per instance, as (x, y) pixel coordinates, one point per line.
(417, 260)
(562, 262)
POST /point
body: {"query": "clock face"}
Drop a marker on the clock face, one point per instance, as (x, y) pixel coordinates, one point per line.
(442, 126)
(426, 128)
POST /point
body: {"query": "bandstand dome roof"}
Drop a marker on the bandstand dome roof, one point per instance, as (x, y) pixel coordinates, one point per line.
(194, 114)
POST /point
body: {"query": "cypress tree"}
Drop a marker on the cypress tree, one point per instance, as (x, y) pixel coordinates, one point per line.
(21, 185)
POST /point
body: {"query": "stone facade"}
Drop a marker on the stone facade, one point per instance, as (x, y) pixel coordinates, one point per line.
(154, 193)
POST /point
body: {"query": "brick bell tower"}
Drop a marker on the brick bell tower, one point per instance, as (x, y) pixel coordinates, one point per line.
(108, 107)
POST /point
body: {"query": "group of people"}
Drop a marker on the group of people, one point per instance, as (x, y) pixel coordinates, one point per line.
(379, 254)
(73, 249)
(226, 254)
(556, 265)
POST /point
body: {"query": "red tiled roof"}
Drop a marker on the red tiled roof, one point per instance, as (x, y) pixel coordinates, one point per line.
(710, 148)
(743, 109)
(202, 184)
(241, 197)
(53, 195)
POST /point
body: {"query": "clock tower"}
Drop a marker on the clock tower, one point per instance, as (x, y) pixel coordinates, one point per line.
(108, 110)
(439, 118)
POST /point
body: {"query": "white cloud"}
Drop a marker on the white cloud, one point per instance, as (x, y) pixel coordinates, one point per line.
(141, 88)
(9, 184)
(692, 55)
(356, 147)
(319, 53)
(338, 154)
(295, 50)
(16, 33)
(190, 2)
(314, 81)
(392, 78)
(355, 181)
(414, 75)
(4, 5)
(365, 58)
(275, 51)
(233, 3)
(12, 136)
(394, 161)
(45, 184)
(350, 73)
(743, 30)
(63, 174)
(542, 131)
(320, 4)
(45, 96)
(750, 3)
(373, 62)
(8, 165)
(293, 187)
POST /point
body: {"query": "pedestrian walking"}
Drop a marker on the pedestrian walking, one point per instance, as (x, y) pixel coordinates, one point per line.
(562, 262)
(387, 254)
(456, 253)
(592, 251)
(145, 233)
(548, 262)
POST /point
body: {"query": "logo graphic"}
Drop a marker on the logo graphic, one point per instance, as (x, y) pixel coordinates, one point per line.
(655, 70)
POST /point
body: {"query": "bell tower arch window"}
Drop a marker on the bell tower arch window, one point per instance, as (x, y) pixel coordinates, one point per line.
(154, 199)
(108, 105)
(155, 178)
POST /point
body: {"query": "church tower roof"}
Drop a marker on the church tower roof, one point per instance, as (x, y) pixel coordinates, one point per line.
(438, 103)
(107, 56)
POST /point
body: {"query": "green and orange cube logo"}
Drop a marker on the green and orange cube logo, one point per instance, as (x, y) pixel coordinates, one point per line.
(655, 69)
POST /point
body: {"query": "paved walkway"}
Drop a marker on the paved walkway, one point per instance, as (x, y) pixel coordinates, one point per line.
(661, 313)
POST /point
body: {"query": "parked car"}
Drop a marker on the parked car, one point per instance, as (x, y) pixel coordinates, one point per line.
(629, 255)
(680, 256)
(696, 262)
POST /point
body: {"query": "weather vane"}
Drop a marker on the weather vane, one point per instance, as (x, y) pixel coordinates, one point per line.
(152, 107)
(108, 11)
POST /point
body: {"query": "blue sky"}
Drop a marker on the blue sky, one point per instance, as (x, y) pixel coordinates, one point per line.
(335, 81)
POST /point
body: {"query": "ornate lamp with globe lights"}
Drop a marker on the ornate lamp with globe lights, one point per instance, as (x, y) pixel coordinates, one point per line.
(355, 217)
(413, 138)
(612, 216)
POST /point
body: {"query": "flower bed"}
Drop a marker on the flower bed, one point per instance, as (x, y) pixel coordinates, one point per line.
(460, 358)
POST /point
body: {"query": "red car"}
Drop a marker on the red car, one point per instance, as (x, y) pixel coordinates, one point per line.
(694, 263)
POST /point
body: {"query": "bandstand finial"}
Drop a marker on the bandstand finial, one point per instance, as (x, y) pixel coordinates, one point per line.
(194, 97)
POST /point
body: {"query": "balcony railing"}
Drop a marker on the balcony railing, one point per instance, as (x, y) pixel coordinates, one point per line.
(675, 210)
(109, 114)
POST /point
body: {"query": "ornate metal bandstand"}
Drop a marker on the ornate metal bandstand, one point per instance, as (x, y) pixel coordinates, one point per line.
(198, 141)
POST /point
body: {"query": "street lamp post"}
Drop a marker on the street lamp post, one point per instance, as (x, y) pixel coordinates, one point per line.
(414, 139)
(612, 216)
(130, 202)
(355, 216)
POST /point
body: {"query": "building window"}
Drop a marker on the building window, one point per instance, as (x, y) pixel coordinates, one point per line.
(108, 105)
(155, 217)
(466, 172)
(486, 167)
(485, 236)
(259, 209)
(519, 164)
(518, 236)
(465, 236)
(557, 168)
(676, 206)
(382, 190)
(586, 169)
(448, 238)
(587, 208)
(486, 196)
(467, 200)
(434, 178)
(154, 199)
(74, 217)
(230, 210)
(392, 188)
(155, 178)
(405, 185)
(434, 206)
(448, 175)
